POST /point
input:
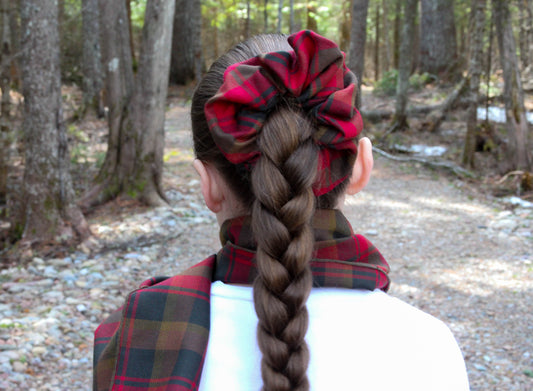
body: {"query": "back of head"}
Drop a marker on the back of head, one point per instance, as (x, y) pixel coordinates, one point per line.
(274, 160)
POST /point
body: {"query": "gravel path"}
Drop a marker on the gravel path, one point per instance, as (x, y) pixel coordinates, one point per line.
(463, 258)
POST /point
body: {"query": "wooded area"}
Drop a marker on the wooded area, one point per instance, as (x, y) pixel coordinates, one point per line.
(122, 55)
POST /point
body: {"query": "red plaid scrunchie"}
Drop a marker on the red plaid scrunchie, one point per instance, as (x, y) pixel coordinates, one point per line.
(315, 74)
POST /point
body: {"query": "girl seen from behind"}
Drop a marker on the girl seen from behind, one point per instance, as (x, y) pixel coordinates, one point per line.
(294, 300)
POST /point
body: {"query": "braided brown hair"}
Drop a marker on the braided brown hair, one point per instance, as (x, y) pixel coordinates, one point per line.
(279, 194)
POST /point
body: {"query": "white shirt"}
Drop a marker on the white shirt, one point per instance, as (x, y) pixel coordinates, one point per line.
(358, 340)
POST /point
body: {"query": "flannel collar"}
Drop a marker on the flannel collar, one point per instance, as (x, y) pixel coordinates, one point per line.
(341, 258)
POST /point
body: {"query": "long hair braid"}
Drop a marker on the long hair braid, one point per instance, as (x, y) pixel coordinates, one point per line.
(284, 205)
(279, 194)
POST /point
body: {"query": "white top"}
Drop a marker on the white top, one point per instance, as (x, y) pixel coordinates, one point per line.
(359, 340)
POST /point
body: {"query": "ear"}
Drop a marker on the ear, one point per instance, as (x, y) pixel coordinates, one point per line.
(209, 185)
(362, 167)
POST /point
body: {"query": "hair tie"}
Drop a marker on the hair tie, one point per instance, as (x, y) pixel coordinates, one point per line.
(315, 74)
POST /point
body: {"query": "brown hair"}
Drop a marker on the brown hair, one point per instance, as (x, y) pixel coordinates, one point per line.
(278, 191)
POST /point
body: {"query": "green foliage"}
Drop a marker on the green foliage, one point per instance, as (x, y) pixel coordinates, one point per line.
(78, 154)
(418, 81)
(492, 89)
(138, 8)
(386, 86)
(78, 134)
(100, 158)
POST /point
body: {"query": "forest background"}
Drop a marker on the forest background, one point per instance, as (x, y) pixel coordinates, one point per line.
(86, 88)
(120, 56)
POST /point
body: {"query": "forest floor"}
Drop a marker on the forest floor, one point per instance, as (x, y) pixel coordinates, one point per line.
(456, 251)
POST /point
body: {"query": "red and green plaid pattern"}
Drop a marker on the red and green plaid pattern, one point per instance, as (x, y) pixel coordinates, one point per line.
(158, 340)
(315, 74)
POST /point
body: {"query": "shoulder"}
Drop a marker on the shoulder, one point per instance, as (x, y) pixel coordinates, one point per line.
(418, 350)
(161, 302)
(380, 313)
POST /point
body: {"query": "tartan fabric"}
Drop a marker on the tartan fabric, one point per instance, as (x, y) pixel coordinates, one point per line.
(315, 74)
(158, 339)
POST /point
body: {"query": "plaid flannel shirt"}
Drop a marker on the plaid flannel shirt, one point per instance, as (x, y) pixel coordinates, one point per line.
(158, 339)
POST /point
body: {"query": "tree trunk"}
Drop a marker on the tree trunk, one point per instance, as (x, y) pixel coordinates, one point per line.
(291, 16)
(118, 88)
(311, 19)
(386, 29)
(14, 26)
(118, 85)
(92, 59)
(5, 63)
(344, 43)
(376, 45)
(134, 160)
(476, 57)
(280, 15)
(357, 43)
(529, 12)
(145, 116)
(397, 35)
(186, 42)
(405, 59)
(517, 126)
(438, 47)
(5, 81)
(48, 209)
(265, 16)
(248, 21)
(525, 26)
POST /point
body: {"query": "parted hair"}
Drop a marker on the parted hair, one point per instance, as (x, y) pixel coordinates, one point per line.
(278, 193)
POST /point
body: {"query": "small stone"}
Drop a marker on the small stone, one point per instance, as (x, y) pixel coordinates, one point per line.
(17, 288)
(480, 367)
(10, 355)
(71, 301)
(145, 259)
(53, 296)
(81, 308)
(84, 248)
(60, 262)
(81, 284)
(50, 271)
(19, 367)
(88, 264)
(44, 324)
(45, 283)
(39, 350)
(67, 275)
(96, 276)
(38, 261)
(96, 292)
(36, 338)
